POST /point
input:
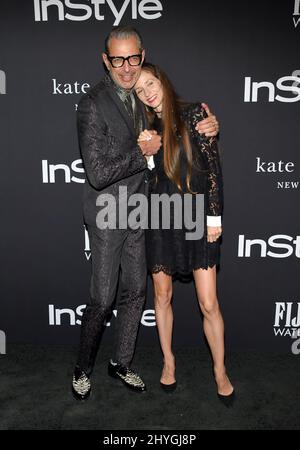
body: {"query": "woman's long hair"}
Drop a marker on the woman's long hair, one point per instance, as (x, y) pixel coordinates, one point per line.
(173, 128)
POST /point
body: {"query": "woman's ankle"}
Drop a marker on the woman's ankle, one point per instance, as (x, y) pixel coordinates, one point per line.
(220, 372)
(169, 361)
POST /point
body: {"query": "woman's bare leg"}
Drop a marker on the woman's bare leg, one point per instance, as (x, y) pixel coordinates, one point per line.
(213, 325)
(164, 320)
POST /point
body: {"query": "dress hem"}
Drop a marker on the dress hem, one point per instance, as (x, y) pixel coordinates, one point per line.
(171, 272)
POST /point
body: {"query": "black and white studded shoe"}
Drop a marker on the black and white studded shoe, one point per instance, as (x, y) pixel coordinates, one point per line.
(81, 385)
(127, 376)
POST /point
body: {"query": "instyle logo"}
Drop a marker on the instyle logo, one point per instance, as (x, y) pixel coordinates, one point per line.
(98, 9)
(2, 82)
(69, 316)
(87, 248)
(282, 244)
(277, 167)
(62, 172)
(267, 90)
(296, 14)
(2, 343)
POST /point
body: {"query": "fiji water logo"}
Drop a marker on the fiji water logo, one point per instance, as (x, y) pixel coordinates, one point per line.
(287, 323)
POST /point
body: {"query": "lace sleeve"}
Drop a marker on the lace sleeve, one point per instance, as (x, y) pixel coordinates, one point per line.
(210, 152)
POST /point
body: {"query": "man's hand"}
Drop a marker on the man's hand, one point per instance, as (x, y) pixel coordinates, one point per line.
(208, 126)
(149, 142)
(213, 233)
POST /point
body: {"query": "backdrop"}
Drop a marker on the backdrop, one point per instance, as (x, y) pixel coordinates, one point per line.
(242, 58)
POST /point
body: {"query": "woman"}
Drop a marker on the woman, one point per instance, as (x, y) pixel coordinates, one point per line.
(188, 163)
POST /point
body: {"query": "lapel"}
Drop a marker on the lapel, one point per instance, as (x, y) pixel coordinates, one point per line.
(119, 104)
(142, 111)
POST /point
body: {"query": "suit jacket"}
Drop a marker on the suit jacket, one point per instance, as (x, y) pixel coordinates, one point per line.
(108, 145)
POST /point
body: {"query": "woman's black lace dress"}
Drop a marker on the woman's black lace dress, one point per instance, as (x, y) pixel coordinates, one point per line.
(168, 250)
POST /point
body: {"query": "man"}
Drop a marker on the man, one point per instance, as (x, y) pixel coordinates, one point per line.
(110, 118)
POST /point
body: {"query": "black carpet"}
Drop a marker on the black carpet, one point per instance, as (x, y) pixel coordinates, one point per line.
(35, 393)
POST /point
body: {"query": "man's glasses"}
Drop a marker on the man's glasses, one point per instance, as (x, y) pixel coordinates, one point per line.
(118, 61)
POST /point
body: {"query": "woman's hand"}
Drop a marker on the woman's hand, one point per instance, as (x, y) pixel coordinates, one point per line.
(213, 233)
(209, 126)
(149, 142)
(145, 135)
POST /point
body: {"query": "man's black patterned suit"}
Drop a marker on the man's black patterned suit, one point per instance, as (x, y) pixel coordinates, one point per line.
(112, 158)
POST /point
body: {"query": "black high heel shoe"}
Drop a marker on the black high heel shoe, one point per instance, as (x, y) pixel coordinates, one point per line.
(168, 387)
(227, 400)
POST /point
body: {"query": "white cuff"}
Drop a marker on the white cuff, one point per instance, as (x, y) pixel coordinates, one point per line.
(213, 221)
(150, 160)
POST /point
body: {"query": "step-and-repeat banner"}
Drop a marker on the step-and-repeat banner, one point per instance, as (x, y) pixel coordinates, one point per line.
(242, 58)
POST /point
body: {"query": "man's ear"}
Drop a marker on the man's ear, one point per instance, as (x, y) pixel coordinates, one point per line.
(143, 56)
(105, 60)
